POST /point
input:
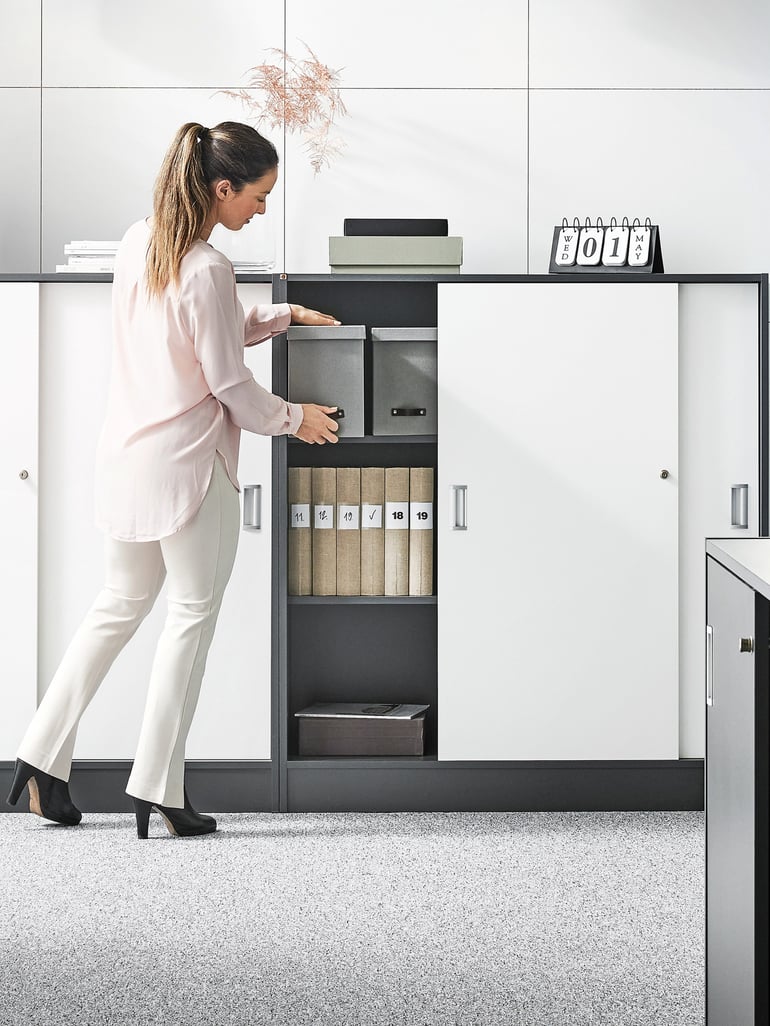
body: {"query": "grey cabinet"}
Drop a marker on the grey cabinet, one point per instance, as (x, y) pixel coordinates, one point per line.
(737, 638)
(388, 649)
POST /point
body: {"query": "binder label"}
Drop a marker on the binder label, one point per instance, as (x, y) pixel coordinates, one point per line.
(421, 516)
(347, 518)
(300, 514)
(371, 515)
(396, 516)
(324, 517)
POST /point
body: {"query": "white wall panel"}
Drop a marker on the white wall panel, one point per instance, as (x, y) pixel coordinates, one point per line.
(696, 162)
(20, 181)
(19, 43)
(407, 44)
(418, 153)
(102, 149)
(146, 43)
(650, 44)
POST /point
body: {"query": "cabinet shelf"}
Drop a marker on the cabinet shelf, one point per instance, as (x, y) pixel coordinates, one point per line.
(358, 761)
(359, 600)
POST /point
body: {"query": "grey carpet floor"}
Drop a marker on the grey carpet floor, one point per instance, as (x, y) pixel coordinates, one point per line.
(474, 919)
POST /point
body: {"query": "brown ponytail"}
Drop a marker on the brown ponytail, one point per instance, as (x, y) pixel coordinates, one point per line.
(196, 159)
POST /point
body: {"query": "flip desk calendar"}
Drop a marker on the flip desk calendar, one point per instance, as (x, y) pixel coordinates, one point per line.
(609, 248)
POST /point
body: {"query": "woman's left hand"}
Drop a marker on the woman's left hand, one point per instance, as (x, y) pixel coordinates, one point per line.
(302, 315)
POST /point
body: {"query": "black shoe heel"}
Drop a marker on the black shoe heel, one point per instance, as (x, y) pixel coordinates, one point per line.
(23, 772)
(142, 810)
(49, 796)
(184, 822)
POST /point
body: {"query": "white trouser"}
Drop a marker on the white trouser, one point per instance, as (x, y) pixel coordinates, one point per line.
(198, 560)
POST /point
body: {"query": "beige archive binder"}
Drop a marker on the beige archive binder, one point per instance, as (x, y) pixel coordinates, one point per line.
(372, 531)
(397, 530)
(348, 531)
(421, 531)
(300, 569)
(324, 493)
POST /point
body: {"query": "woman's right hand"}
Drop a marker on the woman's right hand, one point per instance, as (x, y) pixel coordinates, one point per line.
(316, 426)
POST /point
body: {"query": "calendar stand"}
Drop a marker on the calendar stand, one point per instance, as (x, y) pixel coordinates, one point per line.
(570, 241)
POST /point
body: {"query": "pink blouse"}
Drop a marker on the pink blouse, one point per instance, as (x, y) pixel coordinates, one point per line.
(180, 390)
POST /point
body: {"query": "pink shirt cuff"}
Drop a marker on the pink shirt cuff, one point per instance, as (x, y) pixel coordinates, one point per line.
(296, 417)
(265, 321)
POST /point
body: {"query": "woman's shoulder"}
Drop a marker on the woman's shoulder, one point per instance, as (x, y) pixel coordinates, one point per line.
(203, 259)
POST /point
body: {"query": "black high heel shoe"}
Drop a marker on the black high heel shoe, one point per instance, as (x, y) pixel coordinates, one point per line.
(184, 822)
(49, 797)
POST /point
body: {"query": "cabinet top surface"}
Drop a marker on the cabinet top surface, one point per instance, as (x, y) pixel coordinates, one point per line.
(586, 278)
(747, 558)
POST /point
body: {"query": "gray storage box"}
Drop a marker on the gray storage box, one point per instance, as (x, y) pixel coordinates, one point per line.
(350, 729)
(404, 389)
(326, 366)
(395, 254)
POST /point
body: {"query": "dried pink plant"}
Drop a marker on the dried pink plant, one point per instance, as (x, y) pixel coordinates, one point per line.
(301, 96)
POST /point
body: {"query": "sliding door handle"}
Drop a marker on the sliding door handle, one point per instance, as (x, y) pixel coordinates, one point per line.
(458, 507)
(739, 505)
(252, 507)
(709, 665)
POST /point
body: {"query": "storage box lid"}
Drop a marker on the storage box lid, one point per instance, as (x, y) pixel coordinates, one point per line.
(404, 334)
(331, 332)
(363, 710)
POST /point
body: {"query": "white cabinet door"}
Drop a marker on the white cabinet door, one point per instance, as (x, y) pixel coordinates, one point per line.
(718, 448)
(233, 716)
(18, 512)
(557, 606)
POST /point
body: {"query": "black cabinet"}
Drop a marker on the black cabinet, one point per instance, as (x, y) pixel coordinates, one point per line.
(737, 638)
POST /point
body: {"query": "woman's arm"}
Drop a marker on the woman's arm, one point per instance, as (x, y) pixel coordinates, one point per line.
(211, 314)
(264, 322)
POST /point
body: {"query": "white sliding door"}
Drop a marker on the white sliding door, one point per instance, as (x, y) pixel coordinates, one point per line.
(19, 483)
(557, 605)
(233, 716)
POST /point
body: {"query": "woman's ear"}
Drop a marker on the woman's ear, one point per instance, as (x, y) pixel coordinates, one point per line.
(223, 189)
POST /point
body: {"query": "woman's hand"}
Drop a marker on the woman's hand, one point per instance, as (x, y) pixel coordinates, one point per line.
(316, 426)
(302, 315)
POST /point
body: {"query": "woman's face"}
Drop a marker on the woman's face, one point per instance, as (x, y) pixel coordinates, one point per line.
(235, 209)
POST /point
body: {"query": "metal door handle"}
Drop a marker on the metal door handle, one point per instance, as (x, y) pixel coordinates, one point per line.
(459, 507)
(739, 505)
(252, 507)
(709, 665)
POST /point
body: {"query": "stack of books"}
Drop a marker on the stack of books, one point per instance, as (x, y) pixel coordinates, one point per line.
(89, 256)
(395, 246)
(252, 266)
(360, 531)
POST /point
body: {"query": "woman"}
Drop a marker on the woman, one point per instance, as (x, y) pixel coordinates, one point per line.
(166, 485)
